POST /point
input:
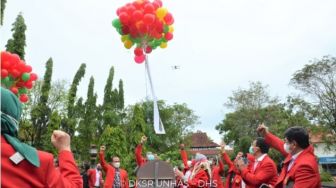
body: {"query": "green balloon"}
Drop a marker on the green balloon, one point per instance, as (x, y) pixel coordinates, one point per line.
(116, 23)
(120, 31)
(166, 29)
(25, 76)
(23, 90)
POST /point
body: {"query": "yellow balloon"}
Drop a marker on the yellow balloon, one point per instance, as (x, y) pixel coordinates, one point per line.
(171, 29)
(163, 45)
(128, 44)
(124, 38)
(161, 13)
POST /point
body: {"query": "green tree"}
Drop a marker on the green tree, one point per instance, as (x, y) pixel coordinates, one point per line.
(241, 124)
(88, 125)
(17, 44)
(40, 113)
(70, 121)
(318, 81)
(121, 95)
(56, 103)
(3, 6)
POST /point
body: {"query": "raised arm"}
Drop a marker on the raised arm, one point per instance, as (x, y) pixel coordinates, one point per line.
(184, 156)
(102, 158)
(272, 140)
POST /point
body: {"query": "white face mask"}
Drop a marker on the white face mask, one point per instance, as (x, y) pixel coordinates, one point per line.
(116, 165)
(286, 147)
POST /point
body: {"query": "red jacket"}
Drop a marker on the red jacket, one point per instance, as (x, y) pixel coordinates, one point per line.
(92, 177)
(138, 156)
(110, 173)
(265, 172)
(216, 177)
(201, 179)
(303, 173)
(184, 157)
(26, 175)
(234, 177)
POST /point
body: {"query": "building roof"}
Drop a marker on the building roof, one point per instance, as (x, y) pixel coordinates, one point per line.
(200, 139)
(205, 152)
(318, 137)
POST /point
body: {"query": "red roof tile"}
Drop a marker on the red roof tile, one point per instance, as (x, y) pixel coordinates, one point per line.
(200, 139)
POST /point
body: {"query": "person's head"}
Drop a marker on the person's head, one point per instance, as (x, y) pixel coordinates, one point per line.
(116, 161)
(189, 163)
(150, 156)
(296, 139)
(10, 112)
(98, 167)
(86, 166)
(213, 162)
(259, 147)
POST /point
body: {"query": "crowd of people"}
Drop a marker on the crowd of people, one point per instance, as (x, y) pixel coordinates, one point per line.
(24, 166)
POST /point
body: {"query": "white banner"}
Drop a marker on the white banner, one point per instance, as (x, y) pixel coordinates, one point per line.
(158, 126)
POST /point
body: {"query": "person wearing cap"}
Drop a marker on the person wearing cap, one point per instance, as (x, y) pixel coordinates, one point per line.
(300, 168)
(116, 177)
(24, 166)
(201, 174)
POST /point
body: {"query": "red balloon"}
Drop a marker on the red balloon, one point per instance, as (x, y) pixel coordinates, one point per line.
(169, 36)
(20, 84)
(169, 19)
(28, 68)
(120, 10)
(33, 77)
(15, 90)
(124, 17)
(15, 73)
(138, 51)
(5, 64)
(142, 28)
(29, 84)
(156, 5)
(149, 8)
(125, 30)
(23, 98)
(139, 59)
(137, 15)
(159, 2)
(21, 66)
(149, 19)
(148, 49)
(4, 73)
(137, 4)
(130, 9)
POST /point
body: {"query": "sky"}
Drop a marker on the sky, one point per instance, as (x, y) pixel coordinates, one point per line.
(220, 46)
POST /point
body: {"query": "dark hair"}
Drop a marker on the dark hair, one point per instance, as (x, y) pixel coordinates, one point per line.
(114, 156)
(299, 135)
(261, 143)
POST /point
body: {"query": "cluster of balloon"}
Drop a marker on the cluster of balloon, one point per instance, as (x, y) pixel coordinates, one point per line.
(145, 24)
(16, 75)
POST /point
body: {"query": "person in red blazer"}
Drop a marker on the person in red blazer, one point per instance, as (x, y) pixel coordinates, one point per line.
(23, 165)
(111, 171)
(300, 167)
(234, 179)
(201, 174)
(216, 173)
(264, 170)
(95, 181)
(140, 160)
(24, 174)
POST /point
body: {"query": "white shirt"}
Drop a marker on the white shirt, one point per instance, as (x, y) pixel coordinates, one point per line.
(97, 183)
(292, 160)
(260, 158)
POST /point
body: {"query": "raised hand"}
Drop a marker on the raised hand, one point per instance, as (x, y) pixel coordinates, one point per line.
(262, 130)
(181, 146)
(60, 140)
(222, 146)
